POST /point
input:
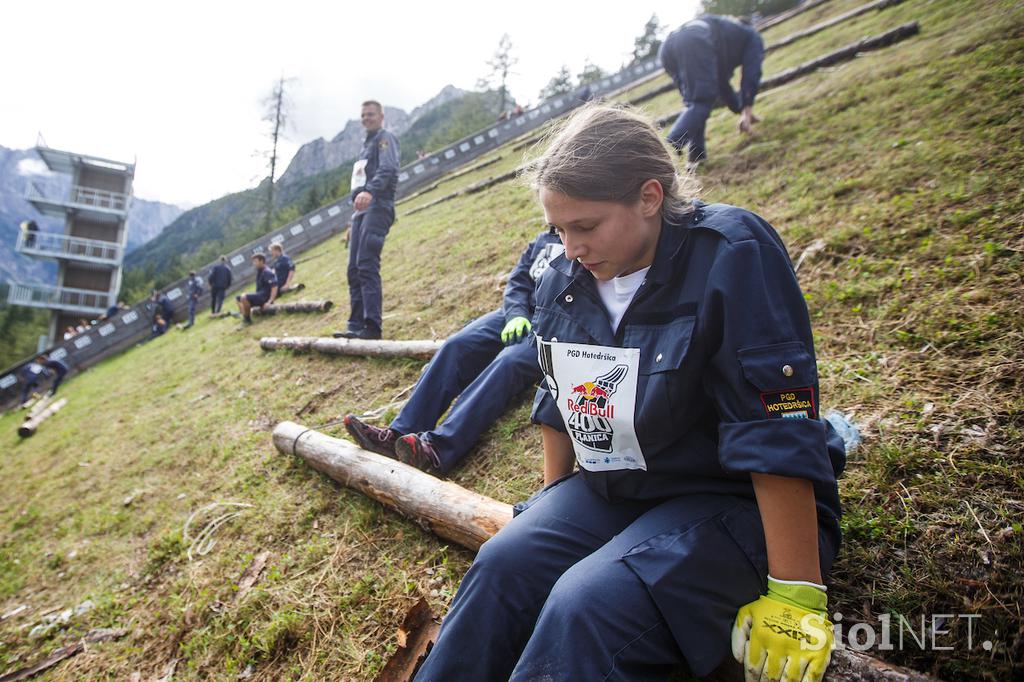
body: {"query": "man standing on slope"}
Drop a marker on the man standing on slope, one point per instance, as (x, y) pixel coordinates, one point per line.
(219, 279)
(374, 179)
(701, 56)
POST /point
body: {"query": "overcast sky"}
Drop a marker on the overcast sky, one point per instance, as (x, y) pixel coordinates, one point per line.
(177, 86)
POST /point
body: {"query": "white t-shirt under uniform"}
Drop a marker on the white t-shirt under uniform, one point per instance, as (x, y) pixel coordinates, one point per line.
(617, 293)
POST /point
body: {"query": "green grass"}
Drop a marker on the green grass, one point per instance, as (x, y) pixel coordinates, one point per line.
(904, 161)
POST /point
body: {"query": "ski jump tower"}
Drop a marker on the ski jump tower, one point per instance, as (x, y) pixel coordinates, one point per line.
(90, 251)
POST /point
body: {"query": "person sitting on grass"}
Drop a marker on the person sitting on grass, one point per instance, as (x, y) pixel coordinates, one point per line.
(486, 364)
(680, 379)
(284, 270)
(159, 326)
(266, 289)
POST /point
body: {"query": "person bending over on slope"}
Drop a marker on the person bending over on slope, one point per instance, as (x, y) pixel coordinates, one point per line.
(701, 56)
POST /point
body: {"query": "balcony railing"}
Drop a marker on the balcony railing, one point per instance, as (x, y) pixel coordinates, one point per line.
(52, 245)
(87, 301)
(87, 198)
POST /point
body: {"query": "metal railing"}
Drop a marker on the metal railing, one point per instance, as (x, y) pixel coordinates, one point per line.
(85, 197)
(59, 298)
(49, 244)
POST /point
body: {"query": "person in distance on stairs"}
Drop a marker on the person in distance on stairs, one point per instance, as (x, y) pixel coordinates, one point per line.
(701, 56)
(486, 364)
(374, 180)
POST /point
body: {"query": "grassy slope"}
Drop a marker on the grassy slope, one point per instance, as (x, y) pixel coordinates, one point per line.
(905, 162)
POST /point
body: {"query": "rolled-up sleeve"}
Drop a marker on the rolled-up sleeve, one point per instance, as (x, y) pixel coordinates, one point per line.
(762, 374)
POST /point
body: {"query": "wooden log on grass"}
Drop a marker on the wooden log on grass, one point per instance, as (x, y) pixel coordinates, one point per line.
(29, 426)
(829, 23)
(295, 307)
(38, 406)
(379, 349)
(841, 55)
(447, 509)
(470, 519)
(776, 19)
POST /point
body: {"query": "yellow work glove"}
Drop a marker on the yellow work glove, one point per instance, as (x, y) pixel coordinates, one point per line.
(784, 635)
(515, 331)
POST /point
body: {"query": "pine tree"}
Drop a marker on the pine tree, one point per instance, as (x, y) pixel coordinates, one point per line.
(560, 84)
(647, 44)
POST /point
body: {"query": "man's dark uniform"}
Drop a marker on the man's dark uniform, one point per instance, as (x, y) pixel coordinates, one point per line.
(220, 280)
(701, 57)
(375, 172)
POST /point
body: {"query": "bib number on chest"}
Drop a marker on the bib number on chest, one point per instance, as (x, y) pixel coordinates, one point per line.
(359, 174)
(594, 388)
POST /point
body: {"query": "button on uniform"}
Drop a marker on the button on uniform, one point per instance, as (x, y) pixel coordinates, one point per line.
(787, 370)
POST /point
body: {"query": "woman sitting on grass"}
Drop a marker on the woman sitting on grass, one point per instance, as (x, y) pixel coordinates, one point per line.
(681, 378)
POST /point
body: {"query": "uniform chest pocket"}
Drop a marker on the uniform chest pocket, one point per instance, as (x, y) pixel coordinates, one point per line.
(660, 389)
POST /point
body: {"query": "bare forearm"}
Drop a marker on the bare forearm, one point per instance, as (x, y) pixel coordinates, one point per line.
(558, 454)
(790, 526)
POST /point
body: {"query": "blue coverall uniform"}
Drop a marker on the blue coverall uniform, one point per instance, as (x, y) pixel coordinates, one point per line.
(59, 370)
(195, 290)
(220, 280)
(379, 160)
(282, 266)
(32, 374)
(474, 365)
(266, 280)
(166, 308)
(625, 574)
(700, 57)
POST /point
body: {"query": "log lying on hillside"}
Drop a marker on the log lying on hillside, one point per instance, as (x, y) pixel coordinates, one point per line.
(38, 406)
(295, 307)
(469, 519)
(841, 55)
(829, 23)
(29, 426)
(380, 349)
(447, 509)
(776, 19)
(470, 189)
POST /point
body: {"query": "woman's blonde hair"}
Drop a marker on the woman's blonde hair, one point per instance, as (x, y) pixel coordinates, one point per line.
(606, 152)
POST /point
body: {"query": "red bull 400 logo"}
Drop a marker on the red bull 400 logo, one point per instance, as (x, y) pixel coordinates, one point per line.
(591, 410)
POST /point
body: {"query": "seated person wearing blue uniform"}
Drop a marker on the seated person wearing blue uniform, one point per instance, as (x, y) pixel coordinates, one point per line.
(284, 270)
(266, 289)
(163, 306)
(701, 56)
(680, 376)
(486, 364)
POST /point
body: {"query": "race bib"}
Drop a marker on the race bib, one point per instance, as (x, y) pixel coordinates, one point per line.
(549, 253)
(358, 174)
(595, 390)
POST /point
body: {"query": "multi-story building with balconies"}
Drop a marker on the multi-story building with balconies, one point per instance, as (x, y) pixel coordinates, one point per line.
(90, 251)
